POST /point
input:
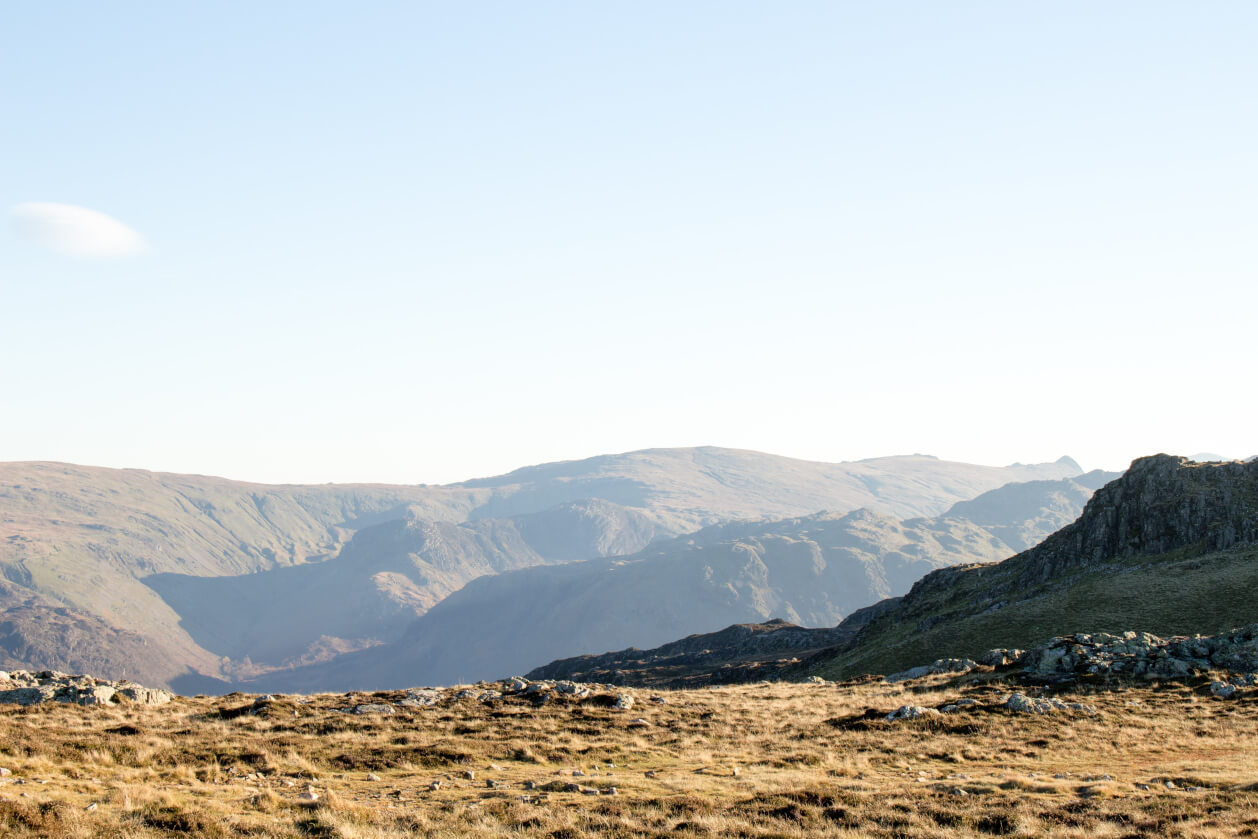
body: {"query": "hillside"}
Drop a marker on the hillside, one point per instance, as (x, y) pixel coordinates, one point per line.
(813, 570)
(745, 652)
(385, 577)
(1168, 548)
(101, 543)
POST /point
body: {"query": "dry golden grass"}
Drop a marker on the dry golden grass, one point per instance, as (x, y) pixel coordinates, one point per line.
(747, 761)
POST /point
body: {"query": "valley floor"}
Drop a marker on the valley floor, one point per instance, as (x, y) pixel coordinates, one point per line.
(768, 760)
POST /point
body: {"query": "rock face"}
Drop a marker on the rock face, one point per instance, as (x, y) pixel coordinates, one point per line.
(1161, 503)
(21, 687)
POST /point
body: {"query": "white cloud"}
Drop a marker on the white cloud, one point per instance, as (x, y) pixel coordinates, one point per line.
(76, 231)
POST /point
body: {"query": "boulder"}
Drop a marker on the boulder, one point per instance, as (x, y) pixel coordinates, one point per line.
(910, 712)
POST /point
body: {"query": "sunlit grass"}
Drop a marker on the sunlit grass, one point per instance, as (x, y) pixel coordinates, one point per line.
(749, 761)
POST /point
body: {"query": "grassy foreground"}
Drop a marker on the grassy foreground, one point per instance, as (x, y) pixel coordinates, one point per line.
(769, 760)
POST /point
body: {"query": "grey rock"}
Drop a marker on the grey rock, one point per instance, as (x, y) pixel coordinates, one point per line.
(1223, 690)
(943, 665)
(910, 712)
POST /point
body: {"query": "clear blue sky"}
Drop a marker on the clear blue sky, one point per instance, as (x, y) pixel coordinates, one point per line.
(428, 241)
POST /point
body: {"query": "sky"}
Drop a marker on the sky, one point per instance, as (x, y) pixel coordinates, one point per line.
(422, 242)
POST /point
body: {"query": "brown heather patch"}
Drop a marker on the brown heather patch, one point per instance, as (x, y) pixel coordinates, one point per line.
(749, 761)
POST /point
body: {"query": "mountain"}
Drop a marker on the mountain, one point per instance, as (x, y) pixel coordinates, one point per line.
(811, 570)
(226, 578)
(383, 578)
(1022, 514)
(1168, 548)
(740, 653)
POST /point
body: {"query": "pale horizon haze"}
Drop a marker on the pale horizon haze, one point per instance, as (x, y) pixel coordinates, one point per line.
(425, 242)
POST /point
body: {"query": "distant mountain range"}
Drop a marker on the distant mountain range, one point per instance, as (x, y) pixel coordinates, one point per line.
(165, 577)
(812, 570)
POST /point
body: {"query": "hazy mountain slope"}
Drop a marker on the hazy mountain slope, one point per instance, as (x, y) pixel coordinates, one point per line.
(1166, 548)
(34, 630)
(82, 537)
(384, 578)
(1022, 514)
(689, 488)
(812, 570)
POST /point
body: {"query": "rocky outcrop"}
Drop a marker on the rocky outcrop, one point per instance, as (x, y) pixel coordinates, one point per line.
(1162, 503)
(22, 687)
(1166, 508)
(1140, 654)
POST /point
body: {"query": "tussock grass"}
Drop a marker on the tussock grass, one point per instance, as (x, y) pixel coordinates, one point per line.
(749, 761)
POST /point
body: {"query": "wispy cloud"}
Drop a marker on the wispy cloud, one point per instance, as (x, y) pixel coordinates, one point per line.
(76, 231)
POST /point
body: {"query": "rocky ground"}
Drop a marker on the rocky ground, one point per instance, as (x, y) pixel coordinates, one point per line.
(976, 749)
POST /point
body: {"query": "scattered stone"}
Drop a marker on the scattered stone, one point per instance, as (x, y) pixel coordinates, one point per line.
(372, 776)
(943, 665)
(308, 797)
(469, 775)
(659, 700)
(374, 708)
(91, 808)
(651, 773)
(421, 697)
(1223, 690)
(910, 712)
(4, 772)
(1024, 704)
(1001, 657)
(623, 702)
(608, 791)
